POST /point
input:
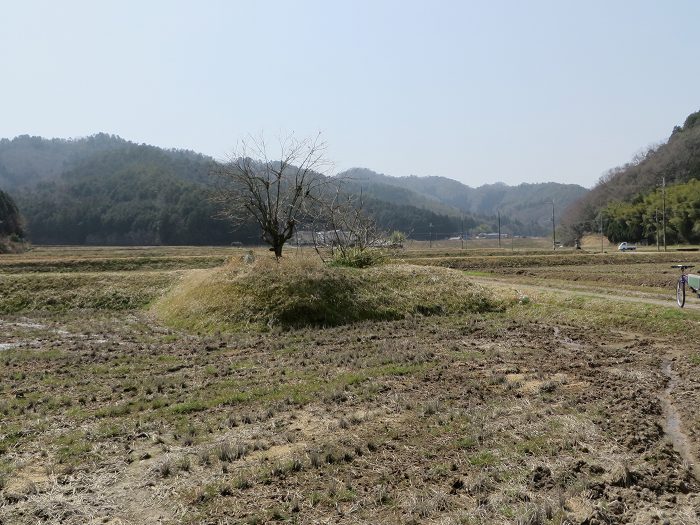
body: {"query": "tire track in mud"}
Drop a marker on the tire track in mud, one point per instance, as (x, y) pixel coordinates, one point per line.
(672, 423)
(645, 479)
(672, 420)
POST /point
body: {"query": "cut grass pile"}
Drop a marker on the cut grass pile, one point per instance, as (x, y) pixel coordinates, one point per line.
(304, 292)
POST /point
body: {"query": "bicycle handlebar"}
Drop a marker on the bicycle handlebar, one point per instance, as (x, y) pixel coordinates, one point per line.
(683, 266)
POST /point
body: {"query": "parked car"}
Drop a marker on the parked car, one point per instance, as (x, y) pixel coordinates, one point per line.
(626, 247)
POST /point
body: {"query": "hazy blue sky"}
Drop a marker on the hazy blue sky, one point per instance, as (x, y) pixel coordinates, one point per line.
(512, 91)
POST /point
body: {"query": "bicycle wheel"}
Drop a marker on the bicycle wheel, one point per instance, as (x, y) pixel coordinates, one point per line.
(680, 293)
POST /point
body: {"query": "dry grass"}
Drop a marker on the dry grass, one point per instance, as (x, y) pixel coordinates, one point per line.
(545, 412)
(570, 259)
(69, 291)
(304, 291)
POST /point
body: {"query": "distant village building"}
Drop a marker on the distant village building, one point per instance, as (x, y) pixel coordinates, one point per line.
(303, 238)
(323, 238)
(492, 236)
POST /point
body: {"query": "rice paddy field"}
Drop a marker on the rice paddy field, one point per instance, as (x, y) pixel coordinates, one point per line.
(447, 386)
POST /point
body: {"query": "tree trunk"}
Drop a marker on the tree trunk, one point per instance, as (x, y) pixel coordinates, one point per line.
(277, 248)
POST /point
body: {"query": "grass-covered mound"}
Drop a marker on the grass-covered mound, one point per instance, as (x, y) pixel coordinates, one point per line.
(303, 292)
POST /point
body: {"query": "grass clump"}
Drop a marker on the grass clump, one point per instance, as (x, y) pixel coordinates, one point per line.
(13, 244)
(357, 258)
(227, 452)
(300, 292)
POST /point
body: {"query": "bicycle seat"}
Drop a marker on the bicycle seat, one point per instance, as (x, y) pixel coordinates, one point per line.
(683, 266)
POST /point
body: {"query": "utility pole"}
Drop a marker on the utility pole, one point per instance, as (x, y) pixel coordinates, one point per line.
(431, 235)
(554, 233)
(499, 228)
(461, 237)
(656, 221)
(663, 213)
(601, 232)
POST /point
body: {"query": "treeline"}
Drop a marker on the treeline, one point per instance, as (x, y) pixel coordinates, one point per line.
(105, 190)
(415, 222)
(642, 218)
(677, 161)
(11, 226)
(10, 218)
(26, 160)
(526, 208)
(133, 195)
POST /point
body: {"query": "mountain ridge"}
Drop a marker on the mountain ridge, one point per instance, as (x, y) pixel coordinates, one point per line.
(106, 189)
(527, 204)
(674, 162)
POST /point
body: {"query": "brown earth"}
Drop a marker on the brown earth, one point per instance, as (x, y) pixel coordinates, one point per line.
(481, 419)
(564, 408)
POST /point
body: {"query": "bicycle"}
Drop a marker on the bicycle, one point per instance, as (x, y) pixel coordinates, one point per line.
(686, 280)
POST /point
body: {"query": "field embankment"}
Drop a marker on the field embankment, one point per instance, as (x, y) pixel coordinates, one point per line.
(548, 260)
(55, 279)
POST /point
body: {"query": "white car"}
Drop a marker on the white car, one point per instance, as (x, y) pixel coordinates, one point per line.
(626, 247)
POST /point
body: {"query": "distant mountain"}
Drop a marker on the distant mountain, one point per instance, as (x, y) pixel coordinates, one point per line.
(384, 188)
(527, 207)
(106, 190)
(27, 160)
(629, 195)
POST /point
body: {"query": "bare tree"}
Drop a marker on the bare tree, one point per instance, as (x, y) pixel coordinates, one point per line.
(349, 228)
(273, 191)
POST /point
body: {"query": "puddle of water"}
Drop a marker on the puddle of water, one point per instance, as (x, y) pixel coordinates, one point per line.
(672, 421)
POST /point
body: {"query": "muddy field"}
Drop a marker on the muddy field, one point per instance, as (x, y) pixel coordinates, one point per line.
(562, 407)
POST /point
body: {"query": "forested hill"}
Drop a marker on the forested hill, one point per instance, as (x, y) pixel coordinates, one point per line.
(27, 160)
(629, 196)
(527, 207)
(106, 190)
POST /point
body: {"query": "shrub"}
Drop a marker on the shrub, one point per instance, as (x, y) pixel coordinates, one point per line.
(358, 258)
(397, 238)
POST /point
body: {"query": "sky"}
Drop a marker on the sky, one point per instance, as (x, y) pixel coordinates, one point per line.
(482, 92)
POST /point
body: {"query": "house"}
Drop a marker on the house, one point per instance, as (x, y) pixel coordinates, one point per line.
(492, 235)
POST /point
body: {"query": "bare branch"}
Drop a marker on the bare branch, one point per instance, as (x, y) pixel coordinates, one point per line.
(273, 193)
